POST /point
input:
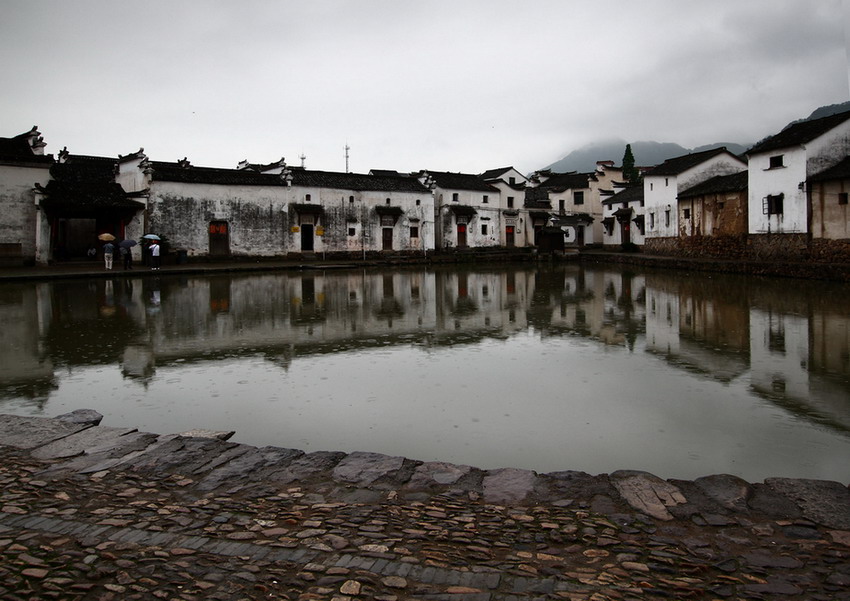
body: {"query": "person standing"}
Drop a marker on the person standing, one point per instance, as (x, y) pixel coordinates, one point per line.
(154, 248)
(108, 254)
(127, 255)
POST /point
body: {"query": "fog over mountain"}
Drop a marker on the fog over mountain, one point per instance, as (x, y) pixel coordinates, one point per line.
(649, 153)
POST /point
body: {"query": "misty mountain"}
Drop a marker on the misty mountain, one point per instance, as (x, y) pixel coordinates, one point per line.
(824, 111)
(647, 153)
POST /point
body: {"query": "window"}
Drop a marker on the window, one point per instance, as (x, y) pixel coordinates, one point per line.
(512, 180)
(652, 221)
(666, 181)
(777, 161)
(687, 213)
(350, 199)
(561, 205)
(307, 198)
(772, 205)
(418, 202)
(842, 198)
(455, 197)
(483, 229)
(667, 218)
(352, 231)
(651, 185)
(721, 204)
(486, 199)
(414, 231)
(510, 202)
(389, 201)
(578, 198)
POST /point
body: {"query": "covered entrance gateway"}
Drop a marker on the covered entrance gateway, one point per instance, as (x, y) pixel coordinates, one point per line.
(80, 202)
(463, 215)
(307, 217)
(388, 216)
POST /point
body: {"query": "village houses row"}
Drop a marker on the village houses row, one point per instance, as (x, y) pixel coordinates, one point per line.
(787, 196)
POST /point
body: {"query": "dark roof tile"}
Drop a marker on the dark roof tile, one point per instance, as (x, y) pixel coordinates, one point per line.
(460, 181)
(799, 133)
(680, 164)
(839, 171)
(719, 184)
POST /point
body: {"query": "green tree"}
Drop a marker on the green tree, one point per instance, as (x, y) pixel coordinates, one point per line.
(630, 172)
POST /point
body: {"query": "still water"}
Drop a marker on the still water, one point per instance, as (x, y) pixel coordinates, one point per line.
(561, 367)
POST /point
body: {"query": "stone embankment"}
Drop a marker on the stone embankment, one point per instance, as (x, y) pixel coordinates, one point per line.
(93, 512)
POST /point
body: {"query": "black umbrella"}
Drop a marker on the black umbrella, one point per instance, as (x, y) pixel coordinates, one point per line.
(127, 243)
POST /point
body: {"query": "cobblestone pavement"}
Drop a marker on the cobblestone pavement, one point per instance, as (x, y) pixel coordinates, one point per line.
(155, 527)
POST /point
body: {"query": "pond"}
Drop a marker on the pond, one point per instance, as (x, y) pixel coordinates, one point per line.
(549, 368)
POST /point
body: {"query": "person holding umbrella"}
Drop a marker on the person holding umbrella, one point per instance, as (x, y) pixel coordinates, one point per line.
(124, 248)
(108, 249)
(154, 250)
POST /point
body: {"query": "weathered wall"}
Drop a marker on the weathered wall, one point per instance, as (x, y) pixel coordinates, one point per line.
(18, 214)
(765, 181)
(830, 219)
(258, 222)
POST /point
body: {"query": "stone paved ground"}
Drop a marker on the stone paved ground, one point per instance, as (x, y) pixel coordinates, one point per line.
(171, 517)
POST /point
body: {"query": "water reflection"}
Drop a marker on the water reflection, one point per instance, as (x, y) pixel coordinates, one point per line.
(700, 355)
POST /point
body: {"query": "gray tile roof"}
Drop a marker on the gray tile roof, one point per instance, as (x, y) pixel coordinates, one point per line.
(799, 133)
(680, 164)
(719, 184)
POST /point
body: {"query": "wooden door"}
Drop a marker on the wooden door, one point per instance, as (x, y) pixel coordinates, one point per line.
(219, 238)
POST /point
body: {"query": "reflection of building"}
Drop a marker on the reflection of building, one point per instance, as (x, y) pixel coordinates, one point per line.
(704, 329)
(795, 346)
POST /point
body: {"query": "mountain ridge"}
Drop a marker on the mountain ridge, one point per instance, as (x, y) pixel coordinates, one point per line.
(648, 153)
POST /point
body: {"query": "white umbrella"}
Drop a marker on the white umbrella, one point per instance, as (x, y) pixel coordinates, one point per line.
(151, 237)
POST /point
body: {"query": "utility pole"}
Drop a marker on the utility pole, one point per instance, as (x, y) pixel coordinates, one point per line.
(303, 157)
(347, 148)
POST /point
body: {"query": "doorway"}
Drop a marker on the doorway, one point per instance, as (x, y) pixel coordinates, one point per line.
(219, 239)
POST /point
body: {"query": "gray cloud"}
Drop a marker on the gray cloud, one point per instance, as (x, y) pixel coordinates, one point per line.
(464, 86)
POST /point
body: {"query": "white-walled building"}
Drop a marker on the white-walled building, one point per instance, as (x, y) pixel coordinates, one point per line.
(23, 165)
(662, 184)
(511, 185)
(623, 215)
(467, 210)
(780, 166)
(274, 210)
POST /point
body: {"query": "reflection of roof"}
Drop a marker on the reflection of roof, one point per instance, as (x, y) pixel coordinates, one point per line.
(736, 182)
(680, 164)
(800, 133)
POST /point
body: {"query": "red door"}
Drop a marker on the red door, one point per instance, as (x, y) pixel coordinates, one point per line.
(461, 235)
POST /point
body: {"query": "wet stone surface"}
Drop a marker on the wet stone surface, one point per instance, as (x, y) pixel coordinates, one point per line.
(189, 518)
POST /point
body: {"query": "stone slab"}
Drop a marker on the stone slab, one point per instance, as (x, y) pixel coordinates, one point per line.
(821, 501)
(433, 473)
(250, 466)
(363, 469)
(82, 416)
(31, 432)
(647, 493)
(79, 442)
(508, 485)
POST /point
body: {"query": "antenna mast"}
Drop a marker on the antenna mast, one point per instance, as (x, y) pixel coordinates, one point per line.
(347, 148)
(303, 157)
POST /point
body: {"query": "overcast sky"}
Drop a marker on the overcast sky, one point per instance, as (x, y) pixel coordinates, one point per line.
(453, 85)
